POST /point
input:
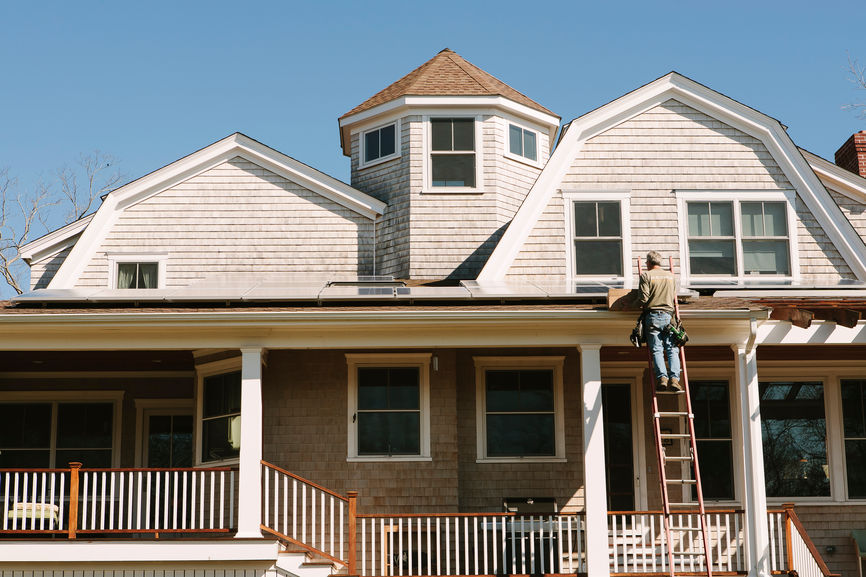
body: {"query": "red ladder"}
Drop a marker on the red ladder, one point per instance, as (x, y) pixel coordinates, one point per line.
(683, 420)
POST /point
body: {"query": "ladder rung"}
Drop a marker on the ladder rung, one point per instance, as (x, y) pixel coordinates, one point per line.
(675, 436)
(682, 481)
(670, 392)
(701, 553)
(679, 458)
(674, 414)
(682, 504)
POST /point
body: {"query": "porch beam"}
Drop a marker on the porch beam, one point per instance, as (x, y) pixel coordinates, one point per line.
(594, 475)
(250, 474)
(752, 464)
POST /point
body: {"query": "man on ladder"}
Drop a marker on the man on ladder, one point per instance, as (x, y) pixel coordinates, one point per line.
(657, 293)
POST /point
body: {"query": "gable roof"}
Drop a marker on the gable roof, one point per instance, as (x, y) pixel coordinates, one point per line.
(196, 163)
(447, 74)
(675, 86)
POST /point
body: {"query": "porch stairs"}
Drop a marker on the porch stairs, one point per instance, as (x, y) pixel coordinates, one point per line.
(679, 428)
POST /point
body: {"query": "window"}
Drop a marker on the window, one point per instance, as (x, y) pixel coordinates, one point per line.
(597, 239)
(389, 406)
(221, 417)
(36, 433)
(520, 408)
(379, 144)
(854, 432)
(794, 434)
(522, 142)
(169, 440)
(452, 156)
(140, 275)
(712, 410)
(738, 238)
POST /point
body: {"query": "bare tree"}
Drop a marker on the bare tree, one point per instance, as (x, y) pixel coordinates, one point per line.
(857, 75)
(27, 214)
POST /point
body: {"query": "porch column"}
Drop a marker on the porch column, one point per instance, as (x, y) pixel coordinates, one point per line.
(755, 491)
(594, 475)
(250, 474)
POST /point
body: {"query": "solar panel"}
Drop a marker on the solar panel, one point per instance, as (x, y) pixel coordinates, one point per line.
(431, 293)
(271, 290)
(502, 290)
(128, 295)
(55, 295)
(356, 293)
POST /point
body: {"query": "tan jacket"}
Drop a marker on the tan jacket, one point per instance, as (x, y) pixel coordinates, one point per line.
(657, 290)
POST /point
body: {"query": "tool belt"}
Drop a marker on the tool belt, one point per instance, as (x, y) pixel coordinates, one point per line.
(675, 328)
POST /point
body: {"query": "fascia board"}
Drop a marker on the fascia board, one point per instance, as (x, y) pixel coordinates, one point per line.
(767, 129)
(54, 241)
(842, 181)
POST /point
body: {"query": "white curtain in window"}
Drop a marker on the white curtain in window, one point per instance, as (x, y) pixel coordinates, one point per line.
(147, 273)
(126, 275)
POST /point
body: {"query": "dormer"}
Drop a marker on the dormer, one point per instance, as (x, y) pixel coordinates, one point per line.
(448, 146)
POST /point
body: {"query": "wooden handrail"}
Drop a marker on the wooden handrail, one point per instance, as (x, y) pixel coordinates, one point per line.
(683, 512)
(33, 470)
(795, 520)
(297, 543)
(416, 515)
(305, 481)
(157, 469)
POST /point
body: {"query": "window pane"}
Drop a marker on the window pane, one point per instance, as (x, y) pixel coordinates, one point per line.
(441, 133)
(855, 457)
(536, 390)
(147, 275)
(396, 433)
(854, 407)
(371, 146)
(372, 388)
(84, 425)
(388, 140)
(717, 476)
(89, 457)
(159, 441)
(529, 148)
(794, 432)
(519, 390)
(775, 223)
(26, 458)
(222, 394)
(721, 219)
(699, 219)
(181, 444)
(454, 170)
(25, 426)
(711, 407)
(503, 391)
(608, 219)
(515, 139)
(753, 218)
(464, 134)
(403, 388)
(716, 257)
(585, 223)
(525, 435)
(126, 277)
(765, 256)
(598, 257)
(220, 439)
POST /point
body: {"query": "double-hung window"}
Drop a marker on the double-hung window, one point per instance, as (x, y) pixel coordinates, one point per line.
(523, 142)
(218, 411)
(452, 153)
(519, 408)
(598, 235)
(389, 406)
(712, 409)
(379, 144)
(854, 434)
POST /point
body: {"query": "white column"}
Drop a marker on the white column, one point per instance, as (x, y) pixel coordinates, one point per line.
(250, 481)
(594, 475)
(755, 491)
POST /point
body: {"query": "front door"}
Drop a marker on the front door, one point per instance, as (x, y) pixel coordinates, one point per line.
(618, 446)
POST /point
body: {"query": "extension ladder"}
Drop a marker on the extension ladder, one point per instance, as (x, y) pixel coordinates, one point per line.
(684, 431)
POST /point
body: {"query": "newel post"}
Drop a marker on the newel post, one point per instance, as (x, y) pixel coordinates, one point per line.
(353, 531)
(73, 498)
(789, 511)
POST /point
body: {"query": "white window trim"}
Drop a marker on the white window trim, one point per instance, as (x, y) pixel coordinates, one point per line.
(231, 365)
(736, 197)
(595, 195)
(362, 146)
(115, 259)
(144, 408)
(427, 169)
(482, 364)
(54, 397)
(515, 157)
(420, 360)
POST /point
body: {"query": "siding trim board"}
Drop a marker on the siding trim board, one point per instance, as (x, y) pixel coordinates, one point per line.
(674, 86)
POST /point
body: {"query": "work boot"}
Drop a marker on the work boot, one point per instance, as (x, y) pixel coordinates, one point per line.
(675, 386)
(662, 385)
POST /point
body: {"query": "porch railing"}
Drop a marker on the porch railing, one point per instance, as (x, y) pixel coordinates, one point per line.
(791, 548)
(143, 500)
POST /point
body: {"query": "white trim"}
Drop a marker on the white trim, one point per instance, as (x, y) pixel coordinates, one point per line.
(674, 86)
(593, 195)
(362, 146)
(115, 258)
(427, 165)
(839, 179)
(79, 396)
(231, 365)
(554, 363)
(55, 241)
(386, 360)
(539, 160)
(146, 407)
(736, 197)
(196, 163)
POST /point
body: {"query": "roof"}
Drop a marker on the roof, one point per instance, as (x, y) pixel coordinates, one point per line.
(447, 74)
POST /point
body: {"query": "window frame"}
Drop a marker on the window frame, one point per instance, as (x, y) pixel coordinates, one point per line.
(116, 259)
(554, 363)
(230, 365)
(55, 398)
(428, 187)
(422, 362)
(145, 408)
(570, 197)
(517, 157)
(362, 147)
(736, 198)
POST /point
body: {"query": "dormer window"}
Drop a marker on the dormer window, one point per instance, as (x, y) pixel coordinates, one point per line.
(137, 275)
(452, 152)
(522, 142)
(379, 144)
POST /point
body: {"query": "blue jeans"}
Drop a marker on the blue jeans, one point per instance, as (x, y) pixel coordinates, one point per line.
(658, 339)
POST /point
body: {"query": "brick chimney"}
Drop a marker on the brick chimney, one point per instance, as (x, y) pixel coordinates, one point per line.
(852, 155)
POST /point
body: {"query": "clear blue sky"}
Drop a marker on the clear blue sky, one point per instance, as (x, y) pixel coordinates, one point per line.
(150, 82)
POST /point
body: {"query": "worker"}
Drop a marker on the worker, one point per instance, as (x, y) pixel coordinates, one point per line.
(657, 293)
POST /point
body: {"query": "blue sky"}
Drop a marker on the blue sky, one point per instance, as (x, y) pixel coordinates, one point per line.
(149, 82)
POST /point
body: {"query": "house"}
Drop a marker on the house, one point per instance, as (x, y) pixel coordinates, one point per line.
(241, 365)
